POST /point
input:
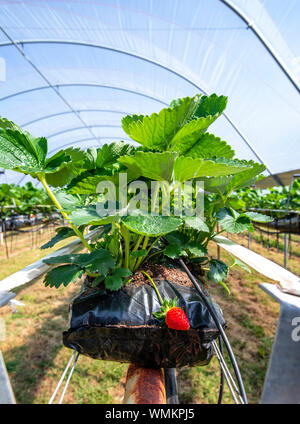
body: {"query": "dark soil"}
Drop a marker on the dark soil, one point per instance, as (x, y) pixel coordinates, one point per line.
(160, 272)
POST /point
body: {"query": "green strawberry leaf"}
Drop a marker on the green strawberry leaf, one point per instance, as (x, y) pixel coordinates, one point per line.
(70, 169)
(64, 274)
(115, 280)
(19, 150)
(233, 222)
(247, 177)
(152, 226)
(188, 135)
(218, 270)
(130, 119)
(174, 251)
(177, 238)
(208, 146)
(62, 234)
(157, 166)
(100, 261)
(138, 253)
(186, 168)
(89, 215)
(155, 132)
(241, 264)
(258, 217)
(196, 223)
(217, 184)
(109, 153)
(210, 105)
(196, 249)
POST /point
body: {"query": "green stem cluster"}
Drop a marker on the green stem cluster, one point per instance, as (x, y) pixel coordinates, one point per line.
(60, 208)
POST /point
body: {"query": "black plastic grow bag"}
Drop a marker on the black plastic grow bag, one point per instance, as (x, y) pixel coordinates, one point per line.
(119, 326)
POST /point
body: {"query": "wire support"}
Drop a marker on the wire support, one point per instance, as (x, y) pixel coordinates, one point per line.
(73, 358)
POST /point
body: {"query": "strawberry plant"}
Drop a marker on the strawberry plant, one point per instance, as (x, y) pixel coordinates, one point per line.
(28, 200)
(137, 206)
(270, 198)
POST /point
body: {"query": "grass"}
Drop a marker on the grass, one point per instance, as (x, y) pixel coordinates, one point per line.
(35, 356)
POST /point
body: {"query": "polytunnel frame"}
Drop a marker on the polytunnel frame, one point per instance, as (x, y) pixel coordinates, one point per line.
(82, 84)
(251, 25)
(120, 51)
(82, 128)
(52, 115)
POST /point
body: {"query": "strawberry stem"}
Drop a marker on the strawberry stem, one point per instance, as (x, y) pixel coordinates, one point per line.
(155, 288)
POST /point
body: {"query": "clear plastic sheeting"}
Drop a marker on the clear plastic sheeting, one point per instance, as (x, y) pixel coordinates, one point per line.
(110, 58)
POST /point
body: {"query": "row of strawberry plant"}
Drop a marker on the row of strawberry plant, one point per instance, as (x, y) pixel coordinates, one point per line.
(23, 200)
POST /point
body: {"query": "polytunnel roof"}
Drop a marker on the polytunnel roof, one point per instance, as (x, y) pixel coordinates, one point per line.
(71, 69)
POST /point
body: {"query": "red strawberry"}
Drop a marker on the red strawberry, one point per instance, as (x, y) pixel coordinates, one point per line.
(177, 319)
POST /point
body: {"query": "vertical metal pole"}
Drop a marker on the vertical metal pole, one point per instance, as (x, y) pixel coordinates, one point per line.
(249, 240)
(285, 250)
(171, 386)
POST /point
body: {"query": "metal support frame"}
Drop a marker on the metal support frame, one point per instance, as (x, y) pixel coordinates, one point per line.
(251, 25)
(52, 115)
(81, 128)
(153, 62)
(55, 89)
(282, 382)
(83, 84)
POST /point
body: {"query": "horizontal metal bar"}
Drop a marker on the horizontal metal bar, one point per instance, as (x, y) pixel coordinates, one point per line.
(111, 87)
(52, 115)
(82, 128)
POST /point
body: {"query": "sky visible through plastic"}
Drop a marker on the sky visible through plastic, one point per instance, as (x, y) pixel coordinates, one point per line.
(111, 58)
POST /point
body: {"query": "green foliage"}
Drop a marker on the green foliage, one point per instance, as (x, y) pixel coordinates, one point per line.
(179, 244)
(178, 127)
(64, 274)
(175, 147)
(232, 221)
(23, 200)
(218, 272)
(152, 226)
(99, 264)
(62, 234)
(270, 198)
(115, 280)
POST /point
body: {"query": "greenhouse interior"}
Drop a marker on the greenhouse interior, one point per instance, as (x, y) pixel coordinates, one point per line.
(149, 203)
